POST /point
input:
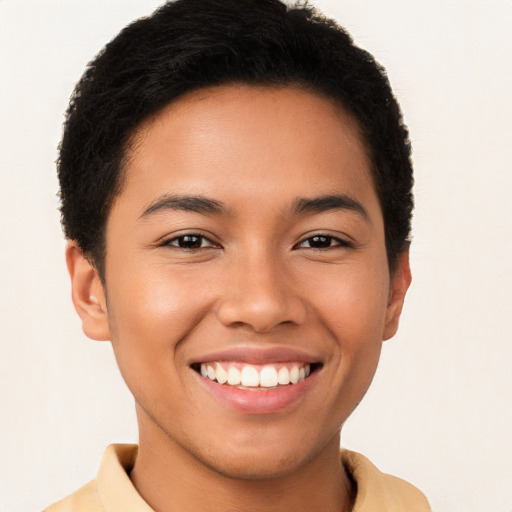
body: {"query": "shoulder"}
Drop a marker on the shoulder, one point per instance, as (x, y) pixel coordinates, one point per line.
(86, 499)
(377, 491)
(111, 490)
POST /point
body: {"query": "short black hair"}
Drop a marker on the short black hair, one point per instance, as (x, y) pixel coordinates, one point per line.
(187, 45)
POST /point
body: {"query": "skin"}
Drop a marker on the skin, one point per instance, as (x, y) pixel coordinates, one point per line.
(255, 282)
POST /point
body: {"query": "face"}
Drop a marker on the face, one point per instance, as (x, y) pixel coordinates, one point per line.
(247, 286)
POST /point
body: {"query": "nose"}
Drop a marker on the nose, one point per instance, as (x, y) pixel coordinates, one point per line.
(260, 294)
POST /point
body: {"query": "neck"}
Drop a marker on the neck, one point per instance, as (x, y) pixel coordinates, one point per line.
(170, 479)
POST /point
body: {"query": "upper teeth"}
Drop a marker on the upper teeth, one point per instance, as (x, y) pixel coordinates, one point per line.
(267, 376)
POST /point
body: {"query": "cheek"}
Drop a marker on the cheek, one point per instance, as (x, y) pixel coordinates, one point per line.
(150, 311)
(352, 303)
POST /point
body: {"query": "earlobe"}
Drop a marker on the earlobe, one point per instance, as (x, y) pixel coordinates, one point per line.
(88, 294)
(400, 282)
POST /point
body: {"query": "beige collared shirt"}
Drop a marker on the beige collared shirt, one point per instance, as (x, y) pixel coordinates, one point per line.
(112, 490)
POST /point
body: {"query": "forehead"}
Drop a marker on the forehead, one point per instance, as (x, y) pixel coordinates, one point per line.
(247, 141)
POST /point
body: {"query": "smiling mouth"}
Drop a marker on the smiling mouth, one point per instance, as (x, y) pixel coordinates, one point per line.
(255, 377)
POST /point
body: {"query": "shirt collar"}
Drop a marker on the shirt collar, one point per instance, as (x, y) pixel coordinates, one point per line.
(375, 490)
(115, 489)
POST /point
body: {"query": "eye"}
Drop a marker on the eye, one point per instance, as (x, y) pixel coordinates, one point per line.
(190, 241)
(322, 242)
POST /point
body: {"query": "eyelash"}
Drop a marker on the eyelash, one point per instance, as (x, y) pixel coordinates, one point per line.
(174, 242)
(182, 238)
(338, 242)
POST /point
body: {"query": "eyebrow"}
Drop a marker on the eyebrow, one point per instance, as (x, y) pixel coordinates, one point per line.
(329, 202)
(208, 206)
(197, 204)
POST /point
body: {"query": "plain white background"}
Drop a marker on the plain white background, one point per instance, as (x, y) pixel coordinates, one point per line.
(439, 411)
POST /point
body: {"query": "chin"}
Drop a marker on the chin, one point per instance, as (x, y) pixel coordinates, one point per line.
(265, 457)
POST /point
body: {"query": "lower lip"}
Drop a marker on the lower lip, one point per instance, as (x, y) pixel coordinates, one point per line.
(258, 401)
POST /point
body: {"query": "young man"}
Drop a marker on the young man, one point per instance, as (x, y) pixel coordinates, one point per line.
(236, 192)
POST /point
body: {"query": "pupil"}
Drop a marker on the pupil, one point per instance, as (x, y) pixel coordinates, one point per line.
(320, 241)
(190, 242)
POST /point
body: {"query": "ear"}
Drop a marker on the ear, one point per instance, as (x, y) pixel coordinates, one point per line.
(88, 294)
(399, 285)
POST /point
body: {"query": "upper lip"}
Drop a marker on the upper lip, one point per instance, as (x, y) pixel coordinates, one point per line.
(258, 355)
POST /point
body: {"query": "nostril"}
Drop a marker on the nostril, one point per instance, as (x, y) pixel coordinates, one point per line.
(262, 314)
